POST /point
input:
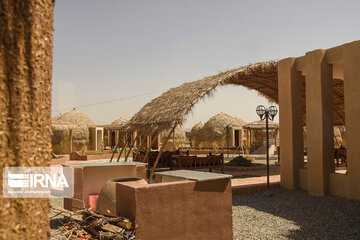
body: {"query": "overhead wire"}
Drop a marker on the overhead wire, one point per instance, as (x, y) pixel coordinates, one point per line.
(109, 101)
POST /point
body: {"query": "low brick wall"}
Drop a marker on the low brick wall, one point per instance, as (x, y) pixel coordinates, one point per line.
(89, 180)
(57, 161)
(79, 156)
(178, 210)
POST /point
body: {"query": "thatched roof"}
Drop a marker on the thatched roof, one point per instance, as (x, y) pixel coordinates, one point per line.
(74, 117)
(339, 135)
(195, 129)
(117, 124)
(261, 125)
(213, 130)
(77, 121)
(80, 134)
(55, 118)
(180, 136)
(173, 106)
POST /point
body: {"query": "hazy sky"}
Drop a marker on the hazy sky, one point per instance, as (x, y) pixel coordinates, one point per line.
(108, 50)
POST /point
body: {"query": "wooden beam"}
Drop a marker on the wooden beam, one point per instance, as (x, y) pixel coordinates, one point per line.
(117, 146)
(146, 158)
(132, 145)
(70, 140)
(141, 143)
(160, 153)
(174, 140)
(125, 145)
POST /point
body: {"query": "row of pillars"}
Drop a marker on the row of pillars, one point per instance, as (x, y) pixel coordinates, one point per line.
(317, 67)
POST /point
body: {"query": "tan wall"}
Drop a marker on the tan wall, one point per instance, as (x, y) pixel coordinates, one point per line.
(179, 210)
(290, 114)
(339, 185)
(351, 59)
(66, 150)
(99, 136)
(319, 126)
(319, 67)
(26, 39)
(303, 179)
(89, 180)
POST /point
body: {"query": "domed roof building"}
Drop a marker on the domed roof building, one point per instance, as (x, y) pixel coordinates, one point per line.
(112, 132)
(74, 117)
(118, 123)
(213, 133)
(77, 126)
(194, 133)
(176, 140)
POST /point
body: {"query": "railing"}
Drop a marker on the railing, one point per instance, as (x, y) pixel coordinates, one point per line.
(178, 160)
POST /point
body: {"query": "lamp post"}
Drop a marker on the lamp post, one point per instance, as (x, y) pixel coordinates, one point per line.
(265, 113)
(227, 128)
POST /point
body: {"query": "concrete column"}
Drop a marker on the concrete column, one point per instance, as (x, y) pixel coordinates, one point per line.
(116, 137)
(319, 124)
(351, 57)
(109, 137)
(290, 116)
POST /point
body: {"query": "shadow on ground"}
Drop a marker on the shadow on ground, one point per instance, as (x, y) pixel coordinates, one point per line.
(308, 217)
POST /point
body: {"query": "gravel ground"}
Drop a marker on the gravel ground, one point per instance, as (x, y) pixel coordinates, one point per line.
(284, 214)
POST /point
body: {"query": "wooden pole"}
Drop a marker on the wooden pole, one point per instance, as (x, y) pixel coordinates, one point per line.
(141, 143)
(70, 140)
(146, 158)
(173, 140)
(117, 146)
(132, 145)
(125, 145)
(160, 153)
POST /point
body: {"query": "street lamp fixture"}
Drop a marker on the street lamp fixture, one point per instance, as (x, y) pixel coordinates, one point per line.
(260, 110)
(266, 114)
(272, 112)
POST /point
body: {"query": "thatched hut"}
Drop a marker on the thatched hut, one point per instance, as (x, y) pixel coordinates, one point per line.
(194, 134)
(113, 130)
(177, 139)
(75, 131)
(255, 133)
(75, 117)
(213, 133)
